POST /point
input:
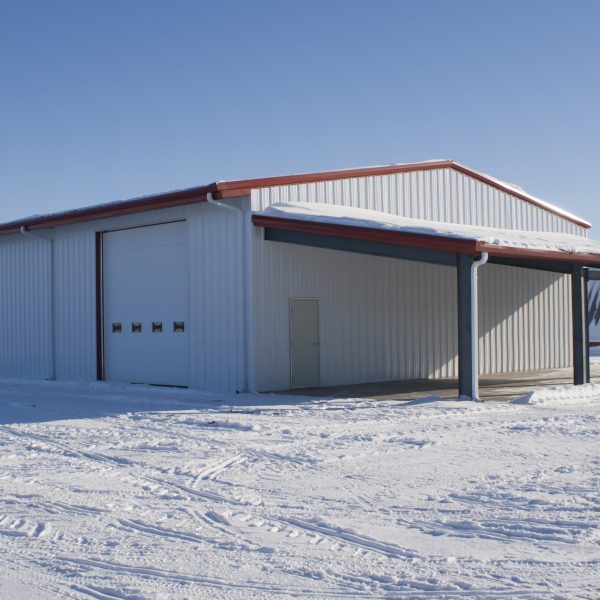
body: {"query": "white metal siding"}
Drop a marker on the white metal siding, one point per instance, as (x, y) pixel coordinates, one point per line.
(524, 319)
(216, 329)
(25, 324)
(380, 319)
(385, 319)
(438, 195)
(75, 304)
(217, 338)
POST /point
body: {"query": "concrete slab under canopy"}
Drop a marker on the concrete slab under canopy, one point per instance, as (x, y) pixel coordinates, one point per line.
(492, 388)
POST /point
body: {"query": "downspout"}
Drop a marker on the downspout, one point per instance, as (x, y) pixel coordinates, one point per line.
(475, 327)
(246, 279)
(26, 232)
(249, 279)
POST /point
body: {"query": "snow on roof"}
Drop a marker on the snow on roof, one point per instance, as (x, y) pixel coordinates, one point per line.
(492, 236)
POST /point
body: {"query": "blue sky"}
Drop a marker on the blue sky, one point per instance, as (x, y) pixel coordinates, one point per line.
(110, 99)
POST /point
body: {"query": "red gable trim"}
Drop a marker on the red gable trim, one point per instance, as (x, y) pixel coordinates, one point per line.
(250, 184)
(243, 187)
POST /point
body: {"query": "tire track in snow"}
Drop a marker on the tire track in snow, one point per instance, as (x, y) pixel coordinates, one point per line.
(163, 532)
(70, 452)
(507, 529)
(221, 524)
(272, 458)
(212, 471)
(238, 542)
(53, 507)
(321, 531)
(100, 594)
(124, 463)
(349, 537)
(207, 474)
(193, 492)
(187, 536)
(84, 564)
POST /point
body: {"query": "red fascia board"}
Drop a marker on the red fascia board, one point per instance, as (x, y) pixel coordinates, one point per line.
(418, 240)
(533, 254)
(384, 236)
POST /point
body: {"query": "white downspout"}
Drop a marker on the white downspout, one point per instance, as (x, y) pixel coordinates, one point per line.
(475, 327)
(246, 277)
(26, 232)
(250, 304)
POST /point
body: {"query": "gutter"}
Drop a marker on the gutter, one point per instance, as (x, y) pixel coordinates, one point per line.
(475, 327)
(52, 349)
(246, 284)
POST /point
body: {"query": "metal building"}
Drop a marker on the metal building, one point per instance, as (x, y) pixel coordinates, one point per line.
(283, 282)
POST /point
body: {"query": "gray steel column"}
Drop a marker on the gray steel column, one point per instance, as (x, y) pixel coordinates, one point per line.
(581, 358)
(465, 349)
(586, 312)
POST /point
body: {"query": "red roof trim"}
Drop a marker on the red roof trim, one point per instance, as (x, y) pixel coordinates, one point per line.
(533, 254)
(249, 184)
(385, 236)
(243, 187)
(418, 240)
(104, 211)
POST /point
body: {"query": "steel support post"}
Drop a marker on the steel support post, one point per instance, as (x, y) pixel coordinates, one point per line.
(465, 345)
(579, 301)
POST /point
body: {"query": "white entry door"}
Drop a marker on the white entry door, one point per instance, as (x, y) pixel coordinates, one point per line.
(304, 342)
(145, 283)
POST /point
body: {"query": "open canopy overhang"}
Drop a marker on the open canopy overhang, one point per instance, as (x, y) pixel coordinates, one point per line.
(365, 231)
(348, 229)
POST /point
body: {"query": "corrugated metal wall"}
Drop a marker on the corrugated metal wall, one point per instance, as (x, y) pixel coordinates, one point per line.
(437, 195)
(525, 319)
(25, 292)
(75, 304)
(216, 330)
(216, 301)
(385, 319)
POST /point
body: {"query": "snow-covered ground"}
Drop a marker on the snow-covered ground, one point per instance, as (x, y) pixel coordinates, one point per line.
(131, 492)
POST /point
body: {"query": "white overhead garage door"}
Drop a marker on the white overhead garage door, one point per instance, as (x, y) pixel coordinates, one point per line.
(145, 303)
